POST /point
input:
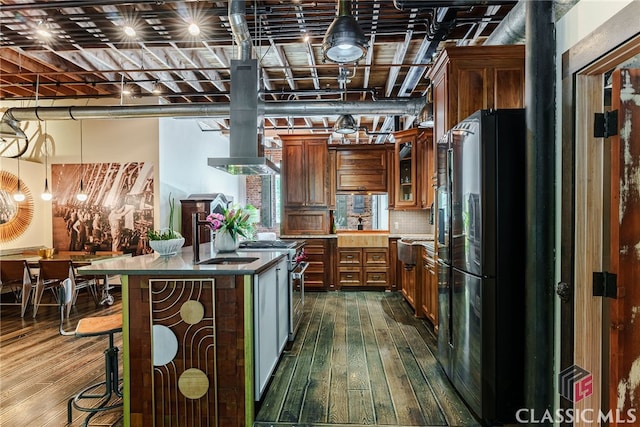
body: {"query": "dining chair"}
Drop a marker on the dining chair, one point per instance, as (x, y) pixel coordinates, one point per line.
(53, 273)
(105, 395)
(15, 275)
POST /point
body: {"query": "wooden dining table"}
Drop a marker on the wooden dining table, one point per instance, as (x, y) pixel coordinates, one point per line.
(78, 260)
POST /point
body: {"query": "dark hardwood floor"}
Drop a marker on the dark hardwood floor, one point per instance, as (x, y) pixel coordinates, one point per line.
(40, 369)
(360, 358)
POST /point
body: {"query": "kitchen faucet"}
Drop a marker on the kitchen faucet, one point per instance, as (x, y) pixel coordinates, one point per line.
(195, 223)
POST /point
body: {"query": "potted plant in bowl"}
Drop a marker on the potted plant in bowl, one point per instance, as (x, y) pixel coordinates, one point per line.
(166, 241)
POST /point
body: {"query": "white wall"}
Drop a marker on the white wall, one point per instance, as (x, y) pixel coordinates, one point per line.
(184, 150)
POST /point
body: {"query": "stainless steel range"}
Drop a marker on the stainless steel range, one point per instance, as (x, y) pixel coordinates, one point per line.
(297, 265)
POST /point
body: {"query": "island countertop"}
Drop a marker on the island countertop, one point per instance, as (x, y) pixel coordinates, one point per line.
(182, 263)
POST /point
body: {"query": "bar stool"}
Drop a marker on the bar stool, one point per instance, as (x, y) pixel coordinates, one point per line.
(92, 327)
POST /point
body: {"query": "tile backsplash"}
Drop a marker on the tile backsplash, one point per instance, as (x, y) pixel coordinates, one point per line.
(410, 222)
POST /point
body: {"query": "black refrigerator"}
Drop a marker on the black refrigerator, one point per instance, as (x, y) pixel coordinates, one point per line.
(481, 215)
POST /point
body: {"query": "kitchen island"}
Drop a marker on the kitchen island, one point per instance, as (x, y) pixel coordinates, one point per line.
(199, 341)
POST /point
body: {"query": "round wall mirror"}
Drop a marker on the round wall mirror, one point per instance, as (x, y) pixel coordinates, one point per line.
(15, 217)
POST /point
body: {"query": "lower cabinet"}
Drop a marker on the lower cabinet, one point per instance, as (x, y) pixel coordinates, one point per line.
(429, 291)
(420, 285)
(408, 274)
(318, 275)
(270, 322)
(363, 267)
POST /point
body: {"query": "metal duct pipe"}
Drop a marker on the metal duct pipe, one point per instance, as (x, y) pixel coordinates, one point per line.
(430, 4)
(400, 106)
(240, 28)
(512, 28)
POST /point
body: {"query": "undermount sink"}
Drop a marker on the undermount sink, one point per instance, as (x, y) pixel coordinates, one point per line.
(229, 260)
(407, 252)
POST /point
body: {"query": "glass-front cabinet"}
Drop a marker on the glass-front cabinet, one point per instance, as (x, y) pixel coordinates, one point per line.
(406, 189)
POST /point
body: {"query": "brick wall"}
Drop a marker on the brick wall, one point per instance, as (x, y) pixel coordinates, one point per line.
(254, 190)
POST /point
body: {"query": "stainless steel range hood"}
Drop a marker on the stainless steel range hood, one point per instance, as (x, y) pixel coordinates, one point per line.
(246, 152)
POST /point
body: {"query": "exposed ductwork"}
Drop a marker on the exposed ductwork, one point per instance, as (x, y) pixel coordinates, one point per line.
(240, 28)
(512, 29)
(391, 106)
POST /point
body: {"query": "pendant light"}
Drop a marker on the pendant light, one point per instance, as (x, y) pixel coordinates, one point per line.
(345, 124)
(344, 40)
(19, 196)
(81, 196)
(46, 194)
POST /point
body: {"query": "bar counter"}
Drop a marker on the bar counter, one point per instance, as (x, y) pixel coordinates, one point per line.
(188, 336)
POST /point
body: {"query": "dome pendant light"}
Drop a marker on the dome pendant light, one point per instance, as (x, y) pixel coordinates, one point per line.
(345, 124)
(81, 196)
(46, 194)
(19, 196)
(344, 41)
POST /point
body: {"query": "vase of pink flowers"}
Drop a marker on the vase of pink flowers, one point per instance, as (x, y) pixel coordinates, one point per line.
(232, 225)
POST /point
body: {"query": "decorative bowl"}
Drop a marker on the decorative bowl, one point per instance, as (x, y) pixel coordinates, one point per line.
(167, 247)
(46, 253)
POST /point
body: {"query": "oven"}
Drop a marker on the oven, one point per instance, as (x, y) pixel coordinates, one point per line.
(297, 264)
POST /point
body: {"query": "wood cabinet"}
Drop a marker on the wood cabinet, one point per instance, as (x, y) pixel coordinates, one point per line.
(305, 171)
(394, 270)
(361, 168)
(305, 184)
(408, 274)
(426, 167)
(363, 267)
(318, 274)
(469, 78)
(429, 286)
(414, 169)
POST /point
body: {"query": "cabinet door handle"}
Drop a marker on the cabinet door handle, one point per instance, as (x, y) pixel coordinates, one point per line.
(349, 256)
(376, 277)
(376, 257)
(349, 276)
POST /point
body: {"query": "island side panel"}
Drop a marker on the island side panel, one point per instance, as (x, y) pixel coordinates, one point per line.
(224, 400)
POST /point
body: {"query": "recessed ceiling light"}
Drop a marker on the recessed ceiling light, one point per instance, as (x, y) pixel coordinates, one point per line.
(194, 29)
(129, 31)
(43, 33)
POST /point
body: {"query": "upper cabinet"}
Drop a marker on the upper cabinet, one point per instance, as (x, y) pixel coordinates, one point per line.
(361, 168)
(469, 78)
(413, 169)
(305, 184)
(305, 171)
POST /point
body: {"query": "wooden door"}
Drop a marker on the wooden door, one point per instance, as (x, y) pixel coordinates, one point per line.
(624, 345)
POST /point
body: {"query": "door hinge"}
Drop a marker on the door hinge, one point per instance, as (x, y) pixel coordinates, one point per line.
(604, 284)
(605, 124)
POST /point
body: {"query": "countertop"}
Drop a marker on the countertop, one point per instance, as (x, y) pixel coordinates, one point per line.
(182, 263)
